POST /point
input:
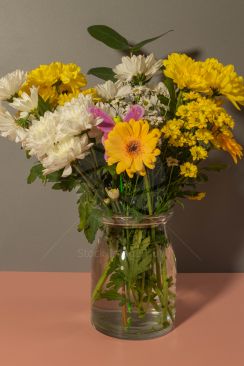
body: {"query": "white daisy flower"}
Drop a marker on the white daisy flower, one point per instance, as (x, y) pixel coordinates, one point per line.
(74, 117)
(10, 129)
(110, 90)
(64, 153)
(26, 103)
(11, 83)
(137, 66)
(42, 135)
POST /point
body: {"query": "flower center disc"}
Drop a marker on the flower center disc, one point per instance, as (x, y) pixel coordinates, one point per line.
(133, 147)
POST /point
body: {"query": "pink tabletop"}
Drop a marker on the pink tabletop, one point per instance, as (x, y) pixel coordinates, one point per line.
(44, 321)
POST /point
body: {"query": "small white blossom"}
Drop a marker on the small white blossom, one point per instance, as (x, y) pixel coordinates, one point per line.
(137, 66)
(10, 129)
(26, 103)
(110, 90)
(11, 83)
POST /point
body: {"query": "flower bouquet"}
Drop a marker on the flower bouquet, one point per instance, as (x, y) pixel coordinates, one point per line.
(131, 148)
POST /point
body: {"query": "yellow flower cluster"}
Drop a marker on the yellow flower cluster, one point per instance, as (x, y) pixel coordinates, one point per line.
(198, 153)
(197, 122)
(209, 77)
(200, 122)
(57, 82)
(188, 170)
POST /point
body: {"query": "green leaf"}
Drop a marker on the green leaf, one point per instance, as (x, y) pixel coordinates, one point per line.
(92, 224)
(104, 73)
(109, 37)
(217, 167)
(171, 88)
(35, 172)
(43, 106)
(139, 45)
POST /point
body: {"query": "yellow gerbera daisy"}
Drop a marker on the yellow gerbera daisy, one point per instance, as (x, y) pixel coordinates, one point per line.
(132, 146)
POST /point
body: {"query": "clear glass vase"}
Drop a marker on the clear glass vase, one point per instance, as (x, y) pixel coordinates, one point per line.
(133, 278)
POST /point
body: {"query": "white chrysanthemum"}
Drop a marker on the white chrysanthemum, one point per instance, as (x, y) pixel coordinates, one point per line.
(110, 90)
(11, 83)
(74, 117)
(64, 153)
(137, 66)
(9, 128)
(26, 103)
(42, 135)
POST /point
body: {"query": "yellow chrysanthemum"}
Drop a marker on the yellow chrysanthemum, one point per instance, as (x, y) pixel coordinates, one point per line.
(224, 80)
(228, 143)
(132, 146)
(185, 72)
(56, 82)
(197, 197)
(188, 170)
(198, 153)
(210, 77)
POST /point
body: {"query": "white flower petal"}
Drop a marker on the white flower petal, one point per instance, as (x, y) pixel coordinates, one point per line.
(9, 128)
(136, 66)
(26, 103)
(11, 83)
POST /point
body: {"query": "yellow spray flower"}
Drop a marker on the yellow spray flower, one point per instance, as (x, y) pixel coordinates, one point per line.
(132, 146)
(228, 143)
(188, 170)
(185, 72)
(198, 153)
(197, 197)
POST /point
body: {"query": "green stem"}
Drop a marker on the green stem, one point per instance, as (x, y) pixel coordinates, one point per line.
(165, 290)
(149, 201)
(101, 280)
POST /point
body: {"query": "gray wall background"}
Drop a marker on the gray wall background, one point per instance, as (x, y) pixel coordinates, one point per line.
(37, 225)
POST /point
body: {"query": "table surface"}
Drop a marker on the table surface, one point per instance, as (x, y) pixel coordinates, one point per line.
(44, 321)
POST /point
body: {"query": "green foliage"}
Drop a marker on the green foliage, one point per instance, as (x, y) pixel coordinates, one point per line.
(35, 172)
(217, 167)
(109, 37)
(104, 73)
(137, 47)
(43, 106)
(90, 215)
(173, 100)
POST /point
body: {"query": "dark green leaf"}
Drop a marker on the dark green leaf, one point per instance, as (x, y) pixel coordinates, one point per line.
(104, 73)
(139, 45)
(35, 172)
(109, 37)
(43, 106)
(171, 88)
(217, 167)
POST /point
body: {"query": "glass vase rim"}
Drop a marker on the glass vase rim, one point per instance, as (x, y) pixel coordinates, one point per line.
(141, 221)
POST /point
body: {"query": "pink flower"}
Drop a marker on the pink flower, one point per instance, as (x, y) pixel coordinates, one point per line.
(107, 123)
(136, 112)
